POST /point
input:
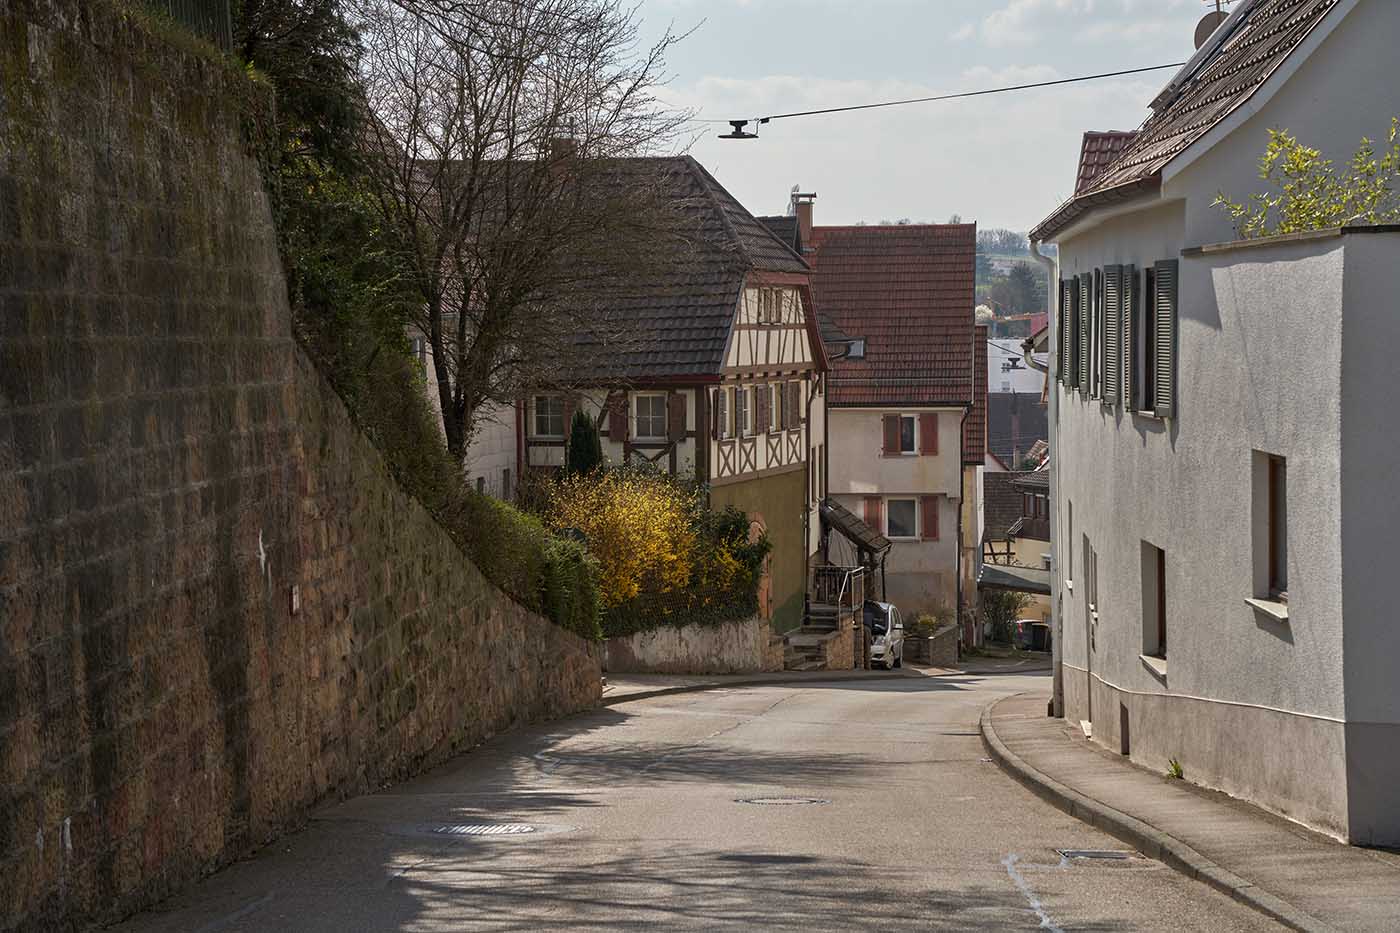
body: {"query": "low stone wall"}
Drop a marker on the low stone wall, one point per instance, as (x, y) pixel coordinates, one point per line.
(729, 648)
(841, 649)
(943, 648)
(773, 658)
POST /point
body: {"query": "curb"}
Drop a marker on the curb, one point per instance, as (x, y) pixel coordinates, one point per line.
(755, 682)
(1146, 838)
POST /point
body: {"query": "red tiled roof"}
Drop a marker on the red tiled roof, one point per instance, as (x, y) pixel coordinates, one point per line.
(975, 424)
(1235, 62)
(1097, 152)
(909, 290)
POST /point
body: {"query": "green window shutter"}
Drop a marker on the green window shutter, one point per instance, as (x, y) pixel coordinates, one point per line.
(1129, 335)
(1164, 366)
(1086, 286)
(1112, 354)
(1072, 312)
(1063, 335)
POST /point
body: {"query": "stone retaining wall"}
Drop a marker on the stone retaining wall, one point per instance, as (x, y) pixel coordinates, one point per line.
(729, 648)
(217, 609)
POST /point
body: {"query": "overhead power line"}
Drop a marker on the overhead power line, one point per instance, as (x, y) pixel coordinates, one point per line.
(962, 94)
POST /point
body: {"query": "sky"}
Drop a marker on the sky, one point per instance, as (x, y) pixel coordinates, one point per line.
(1003, 161)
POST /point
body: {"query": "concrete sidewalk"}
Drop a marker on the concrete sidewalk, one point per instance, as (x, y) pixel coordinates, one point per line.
(1294, 875)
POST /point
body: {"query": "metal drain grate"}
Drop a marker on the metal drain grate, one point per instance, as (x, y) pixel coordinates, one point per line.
(1107, 854)
(483, 829)
(781, 801)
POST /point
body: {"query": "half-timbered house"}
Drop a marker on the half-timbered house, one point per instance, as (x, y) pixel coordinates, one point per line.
(716, 373)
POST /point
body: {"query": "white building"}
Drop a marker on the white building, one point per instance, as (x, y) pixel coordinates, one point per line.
(1007, 370)
(1223, 434)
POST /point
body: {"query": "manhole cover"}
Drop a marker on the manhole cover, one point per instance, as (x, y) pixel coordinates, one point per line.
(781, 801)
(483, 829)
(1095, 854)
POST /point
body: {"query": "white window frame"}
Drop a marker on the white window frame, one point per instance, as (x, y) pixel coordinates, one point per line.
(914, 451)
(775, 400)
(535, 416)
(889, 532)
(637, 433)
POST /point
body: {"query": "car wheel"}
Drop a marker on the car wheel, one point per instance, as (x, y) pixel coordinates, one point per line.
(899, 659)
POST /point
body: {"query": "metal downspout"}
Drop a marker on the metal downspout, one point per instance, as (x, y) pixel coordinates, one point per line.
(1057, 702)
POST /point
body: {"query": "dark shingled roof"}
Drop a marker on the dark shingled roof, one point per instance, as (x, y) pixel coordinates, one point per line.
(786, 228)
(1031, 424)
(842, 520)
(1235, 62)
(674, 320)
(910, 291)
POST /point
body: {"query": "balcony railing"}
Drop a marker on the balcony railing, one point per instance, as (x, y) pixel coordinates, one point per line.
(208, 19)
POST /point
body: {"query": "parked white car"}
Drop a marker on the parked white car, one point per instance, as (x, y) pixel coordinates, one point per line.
(886, 630)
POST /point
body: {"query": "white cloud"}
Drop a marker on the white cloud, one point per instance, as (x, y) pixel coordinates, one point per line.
(964, 32)
(1022, 22)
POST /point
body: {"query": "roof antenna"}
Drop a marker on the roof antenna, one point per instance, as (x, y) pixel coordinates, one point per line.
(1212, 21)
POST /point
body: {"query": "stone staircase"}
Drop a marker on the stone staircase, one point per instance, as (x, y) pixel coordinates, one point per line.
(806, 649)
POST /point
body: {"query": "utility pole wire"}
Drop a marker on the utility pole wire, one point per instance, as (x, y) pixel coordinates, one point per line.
(925, 100)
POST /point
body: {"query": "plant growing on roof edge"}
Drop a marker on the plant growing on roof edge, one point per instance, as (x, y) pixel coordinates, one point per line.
(1310, 194)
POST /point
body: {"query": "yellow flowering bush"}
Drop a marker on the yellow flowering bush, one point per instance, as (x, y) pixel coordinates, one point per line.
(638, 527)
(663, 557)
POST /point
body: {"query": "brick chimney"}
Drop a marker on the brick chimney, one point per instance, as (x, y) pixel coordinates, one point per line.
(802, 207)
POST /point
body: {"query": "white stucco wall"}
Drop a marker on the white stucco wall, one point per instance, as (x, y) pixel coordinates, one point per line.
(921, 575)
(1006, 367)
(490, 460)
(1284, 713)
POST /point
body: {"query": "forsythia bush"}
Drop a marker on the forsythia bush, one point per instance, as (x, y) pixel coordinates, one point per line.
(638, 528)
(663, 557)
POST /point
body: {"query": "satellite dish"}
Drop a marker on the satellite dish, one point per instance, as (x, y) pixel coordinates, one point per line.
(1208, 25)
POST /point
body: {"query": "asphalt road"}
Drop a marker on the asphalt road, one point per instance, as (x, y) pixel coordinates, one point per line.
(640, 822)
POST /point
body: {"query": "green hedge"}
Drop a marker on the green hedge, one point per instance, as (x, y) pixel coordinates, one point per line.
(653, 610)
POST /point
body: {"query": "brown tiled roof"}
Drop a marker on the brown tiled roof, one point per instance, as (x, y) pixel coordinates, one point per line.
(1097, 152)
(842, 520)
(1032, 423)
(674, 320)
(1001, 505)
(1243, 54)
(909, 291)
(975, 424)
(1033, 481)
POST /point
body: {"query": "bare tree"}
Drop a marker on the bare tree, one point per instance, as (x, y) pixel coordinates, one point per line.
(494, 132)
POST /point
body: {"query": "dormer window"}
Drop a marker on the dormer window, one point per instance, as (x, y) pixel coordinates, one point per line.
(855, 349)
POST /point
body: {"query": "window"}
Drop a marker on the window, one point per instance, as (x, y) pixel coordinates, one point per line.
(907, 429)
(481, 485)
(1069, 539)
(775, 405)
(1096, 378)
(549, 416)
(741, 412)
(1154, 602)
(1270, 527)
(650, 417)
(1278, 528)
(1091, 592)
(855, 349)
(1146, 334)
(903, 518)
(781, 396)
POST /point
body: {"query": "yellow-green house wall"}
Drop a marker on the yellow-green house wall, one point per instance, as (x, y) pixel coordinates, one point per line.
(780, 502)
